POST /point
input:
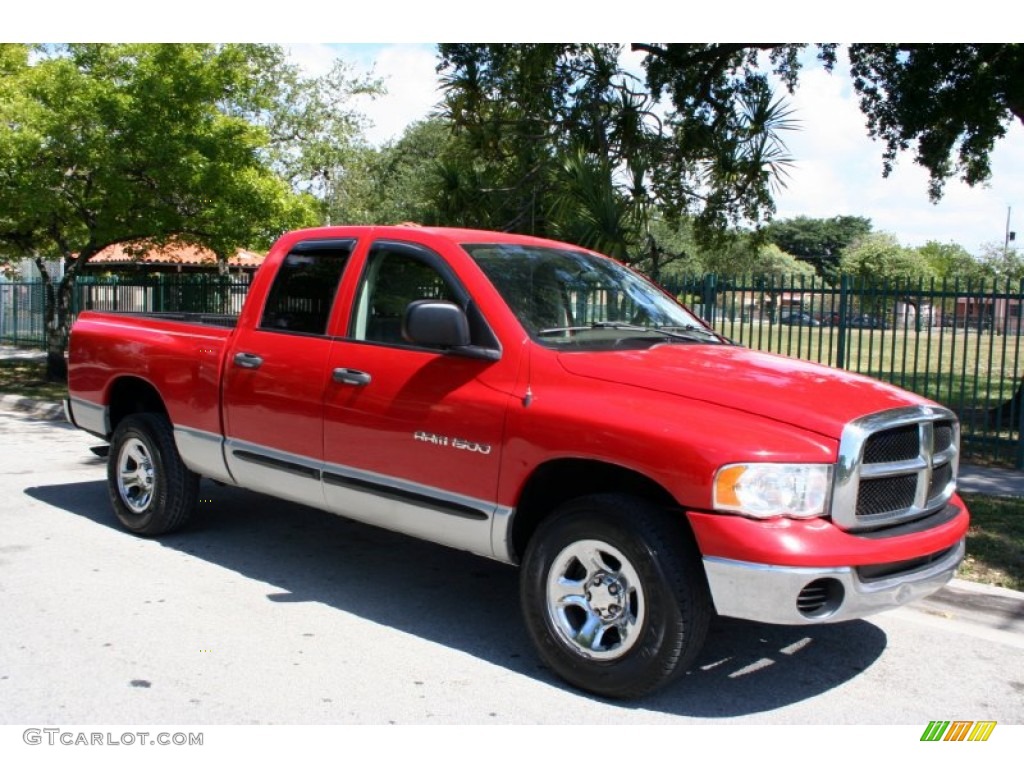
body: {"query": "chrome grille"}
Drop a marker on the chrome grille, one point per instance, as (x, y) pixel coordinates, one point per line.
(941, 479)
(895, 466)
(885, 495)
(902, 444)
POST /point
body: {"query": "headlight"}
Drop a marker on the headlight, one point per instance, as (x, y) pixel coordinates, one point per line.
(773, 490)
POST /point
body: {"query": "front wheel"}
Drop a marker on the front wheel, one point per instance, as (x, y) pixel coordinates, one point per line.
(614, 595)
(151, 489)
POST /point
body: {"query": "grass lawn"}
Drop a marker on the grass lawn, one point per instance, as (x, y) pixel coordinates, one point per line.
(28, 378)
(995, 542)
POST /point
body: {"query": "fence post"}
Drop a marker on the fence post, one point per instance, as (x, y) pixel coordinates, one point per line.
(1018, 462)
(844, 298)
(708, 298)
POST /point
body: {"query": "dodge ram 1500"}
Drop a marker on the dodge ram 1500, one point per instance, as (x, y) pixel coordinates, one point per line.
(543, 405)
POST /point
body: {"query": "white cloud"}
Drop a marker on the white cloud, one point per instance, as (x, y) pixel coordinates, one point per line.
(412, 89)
(406, 71)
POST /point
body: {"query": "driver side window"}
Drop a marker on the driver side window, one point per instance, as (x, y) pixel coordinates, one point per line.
(393, 279)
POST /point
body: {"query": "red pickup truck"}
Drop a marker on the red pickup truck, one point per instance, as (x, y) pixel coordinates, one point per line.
(543, 405)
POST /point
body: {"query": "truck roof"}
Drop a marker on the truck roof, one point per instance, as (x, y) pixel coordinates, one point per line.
(452, 234)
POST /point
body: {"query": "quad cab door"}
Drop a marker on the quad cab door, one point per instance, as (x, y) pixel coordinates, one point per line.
(413, 435)
(275, 381)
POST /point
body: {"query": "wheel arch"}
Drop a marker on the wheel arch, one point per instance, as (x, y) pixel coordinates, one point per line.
(129, 395)
(557, 481)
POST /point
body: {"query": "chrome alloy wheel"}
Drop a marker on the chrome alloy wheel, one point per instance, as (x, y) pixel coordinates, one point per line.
(135, 475)
(595, 600)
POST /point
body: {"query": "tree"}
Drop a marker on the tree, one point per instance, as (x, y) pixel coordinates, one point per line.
(818, 242)
(952, 101)
(107, 144)
(951, 262)
(316, 135)
(746, 256)
(560, 139)
(880, 257)
(518, 111)
(672, 253)
(1002, 263)
(399, 182)
(588, 208)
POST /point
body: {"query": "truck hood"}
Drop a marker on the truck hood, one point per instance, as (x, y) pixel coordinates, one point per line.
(812, 396)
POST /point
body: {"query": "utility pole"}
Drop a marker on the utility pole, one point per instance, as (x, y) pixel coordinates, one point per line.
(1010, 236)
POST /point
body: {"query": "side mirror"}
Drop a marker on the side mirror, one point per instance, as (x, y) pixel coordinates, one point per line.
(429, 323)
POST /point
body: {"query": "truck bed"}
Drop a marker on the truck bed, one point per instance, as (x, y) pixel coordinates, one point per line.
(193, 318)
(178, 353)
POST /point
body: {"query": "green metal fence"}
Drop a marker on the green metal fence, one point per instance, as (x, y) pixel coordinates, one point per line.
(959, 344)
(214, 294)
(22, 305)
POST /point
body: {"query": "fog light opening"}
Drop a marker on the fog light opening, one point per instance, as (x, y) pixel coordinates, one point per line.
(820, 599)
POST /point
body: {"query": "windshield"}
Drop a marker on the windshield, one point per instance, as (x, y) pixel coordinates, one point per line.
(569, 299)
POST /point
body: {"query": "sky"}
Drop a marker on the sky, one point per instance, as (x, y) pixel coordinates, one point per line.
(837, 168)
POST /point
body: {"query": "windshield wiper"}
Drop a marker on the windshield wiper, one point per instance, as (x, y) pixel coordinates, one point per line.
(693, 330)
(687, 333)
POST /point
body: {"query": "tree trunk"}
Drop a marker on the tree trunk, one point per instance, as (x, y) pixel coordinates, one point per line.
(58, 331)
(57, 318)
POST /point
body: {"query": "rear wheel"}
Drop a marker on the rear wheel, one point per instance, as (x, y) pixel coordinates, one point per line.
(151, 489)
(614, 595)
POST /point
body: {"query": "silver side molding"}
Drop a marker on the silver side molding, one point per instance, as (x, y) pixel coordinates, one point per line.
(87, 416)
(203, 453)
(433, 514)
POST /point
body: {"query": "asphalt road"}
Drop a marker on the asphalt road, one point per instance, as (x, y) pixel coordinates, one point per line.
(267, 612)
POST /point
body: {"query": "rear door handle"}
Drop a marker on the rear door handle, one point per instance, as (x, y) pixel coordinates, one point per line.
(247, 360)
(351, 376)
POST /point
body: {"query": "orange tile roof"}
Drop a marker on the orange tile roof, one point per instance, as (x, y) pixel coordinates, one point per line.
(172, 254)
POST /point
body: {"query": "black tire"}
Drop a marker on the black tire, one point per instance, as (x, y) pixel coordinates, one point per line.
(151, 489)
(628, 573)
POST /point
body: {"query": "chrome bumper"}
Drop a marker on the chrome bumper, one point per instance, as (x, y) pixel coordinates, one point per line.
(785, 595)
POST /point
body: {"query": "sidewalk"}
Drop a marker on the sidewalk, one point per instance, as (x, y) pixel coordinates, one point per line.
(990, 481)
(8, 352)
(37, 409)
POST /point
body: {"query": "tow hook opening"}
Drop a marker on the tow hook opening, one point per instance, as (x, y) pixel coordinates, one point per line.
(820, 599)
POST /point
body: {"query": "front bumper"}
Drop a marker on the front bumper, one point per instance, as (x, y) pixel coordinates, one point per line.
(799, 595)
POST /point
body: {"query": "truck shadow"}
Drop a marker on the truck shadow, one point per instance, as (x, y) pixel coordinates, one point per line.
(471, 604)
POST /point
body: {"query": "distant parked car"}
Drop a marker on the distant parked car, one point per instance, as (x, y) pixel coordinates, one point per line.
(867, 321)
(797, 318)
(968, 322)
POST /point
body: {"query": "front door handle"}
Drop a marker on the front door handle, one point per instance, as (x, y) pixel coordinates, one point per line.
(350, 376)
(247, 360)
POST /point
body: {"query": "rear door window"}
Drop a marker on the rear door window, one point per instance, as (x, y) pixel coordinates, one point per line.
(303, 293)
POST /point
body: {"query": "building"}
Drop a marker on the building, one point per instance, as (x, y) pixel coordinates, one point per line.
(173, 258)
